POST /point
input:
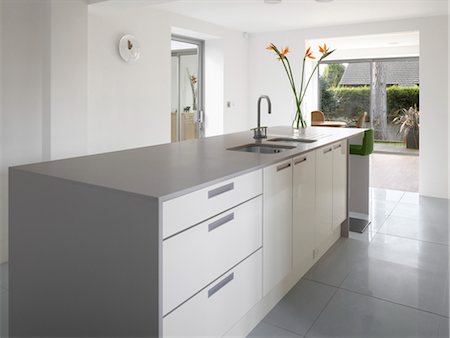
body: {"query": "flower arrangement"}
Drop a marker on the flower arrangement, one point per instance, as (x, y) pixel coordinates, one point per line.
(193, 82)
(299, 94)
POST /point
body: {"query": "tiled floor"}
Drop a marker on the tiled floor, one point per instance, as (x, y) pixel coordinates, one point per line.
(391, 281)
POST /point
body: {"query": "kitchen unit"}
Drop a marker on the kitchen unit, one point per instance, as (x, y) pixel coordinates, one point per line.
(184, 239)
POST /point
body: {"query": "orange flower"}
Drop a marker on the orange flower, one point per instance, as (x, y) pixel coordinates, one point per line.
(323, 49)
(271, 47)
(308, 54)
(282, 55)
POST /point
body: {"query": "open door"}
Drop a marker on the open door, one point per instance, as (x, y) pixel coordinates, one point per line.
(187, 115)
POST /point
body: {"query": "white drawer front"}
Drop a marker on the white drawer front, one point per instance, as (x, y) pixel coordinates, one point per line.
(187, 210)
(197, 256)
(212, 312)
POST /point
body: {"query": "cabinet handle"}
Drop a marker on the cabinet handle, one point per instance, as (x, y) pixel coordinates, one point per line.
(338, 146)
(300, 160)
(327, 150)
(283, 166)
(220, 190)
(220, 222)
(221, 284)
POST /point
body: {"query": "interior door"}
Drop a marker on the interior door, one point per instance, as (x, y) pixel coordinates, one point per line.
(187, 116)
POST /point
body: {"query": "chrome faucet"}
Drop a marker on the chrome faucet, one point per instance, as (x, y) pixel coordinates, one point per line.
(261, 132)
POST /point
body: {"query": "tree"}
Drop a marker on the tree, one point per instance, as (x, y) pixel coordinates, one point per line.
(332, 75)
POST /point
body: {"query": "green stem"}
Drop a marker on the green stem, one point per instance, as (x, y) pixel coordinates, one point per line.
(309, 80)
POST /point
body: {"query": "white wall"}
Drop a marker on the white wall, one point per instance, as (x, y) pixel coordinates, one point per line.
(43, 86)
(129, 105)
(266, 76)
(68, 127)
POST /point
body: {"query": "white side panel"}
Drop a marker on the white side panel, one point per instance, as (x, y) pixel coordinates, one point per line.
(194, 258)
(277, 224)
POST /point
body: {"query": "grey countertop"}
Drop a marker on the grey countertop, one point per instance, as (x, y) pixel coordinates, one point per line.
(169, 170)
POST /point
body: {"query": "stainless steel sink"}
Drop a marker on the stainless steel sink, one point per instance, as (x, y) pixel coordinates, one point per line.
(291, 139)
(262, 148)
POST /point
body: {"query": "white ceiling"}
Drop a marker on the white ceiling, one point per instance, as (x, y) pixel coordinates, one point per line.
(255, 16)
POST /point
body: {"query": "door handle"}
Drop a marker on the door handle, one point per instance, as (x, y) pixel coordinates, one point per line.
(283, 166)
(301, 160)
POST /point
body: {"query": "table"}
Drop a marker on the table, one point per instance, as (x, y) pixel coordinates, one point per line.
(337, 124)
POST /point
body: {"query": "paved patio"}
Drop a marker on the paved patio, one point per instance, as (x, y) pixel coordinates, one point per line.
(395, 172)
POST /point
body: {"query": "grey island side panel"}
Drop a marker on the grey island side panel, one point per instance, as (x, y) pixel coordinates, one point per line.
(84, 260)
(169, 170)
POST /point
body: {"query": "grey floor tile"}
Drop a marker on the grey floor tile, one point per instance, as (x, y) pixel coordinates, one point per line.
(4, 276)
(352, 315)
(386, 194)
(429, 210)
(410, 197)
(443, 328)
(409, 252)
(399, 283)
(381, 207)
(416, 228)
(4, 314)
(298, 310)
(264, 330)
(336, 264)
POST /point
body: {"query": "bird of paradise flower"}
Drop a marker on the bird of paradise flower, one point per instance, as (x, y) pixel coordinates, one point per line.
(300, 94)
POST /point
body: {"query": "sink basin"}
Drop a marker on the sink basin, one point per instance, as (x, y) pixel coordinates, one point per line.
(263, 148)
(291, 139)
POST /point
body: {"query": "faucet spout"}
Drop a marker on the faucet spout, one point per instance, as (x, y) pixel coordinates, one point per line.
(258, 130)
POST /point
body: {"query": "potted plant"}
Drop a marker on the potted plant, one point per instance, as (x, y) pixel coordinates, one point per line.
(408, 119)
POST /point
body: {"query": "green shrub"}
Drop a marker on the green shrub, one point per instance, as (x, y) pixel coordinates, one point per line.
(347, 103)
(401, 97)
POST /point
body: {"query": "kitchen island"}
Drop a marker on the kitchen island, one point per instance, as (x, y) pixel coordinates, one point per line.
(182, 239)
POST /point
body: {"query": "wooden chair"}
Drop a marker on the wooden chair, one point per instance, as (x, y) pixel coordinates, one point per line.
(361, 120)
(317, 116)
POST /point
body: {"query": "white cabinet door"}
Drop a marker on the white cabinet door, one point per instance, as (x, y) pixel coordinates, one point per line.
(304, 205)
(277, 223)
(324, 198)
(339, 183)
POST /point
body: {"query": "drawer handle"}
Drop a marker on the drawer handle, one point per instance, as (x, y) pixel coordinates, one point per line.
(338, 146)
(220, 222)
(221, 284)
(283, 166)
(300, 160)
(220, 190)
(327, 150)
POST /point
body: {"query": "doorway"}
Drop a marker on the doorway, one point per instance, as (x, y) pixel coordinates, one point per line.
(187, 114)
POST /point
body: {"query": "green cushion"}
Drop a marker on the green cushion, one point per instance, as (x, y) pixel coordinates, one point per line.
(366, 148)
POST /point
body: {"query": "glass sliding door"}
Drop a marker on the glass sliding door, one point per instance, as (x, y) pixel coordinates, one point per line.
(383, 88)
(187, 118)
